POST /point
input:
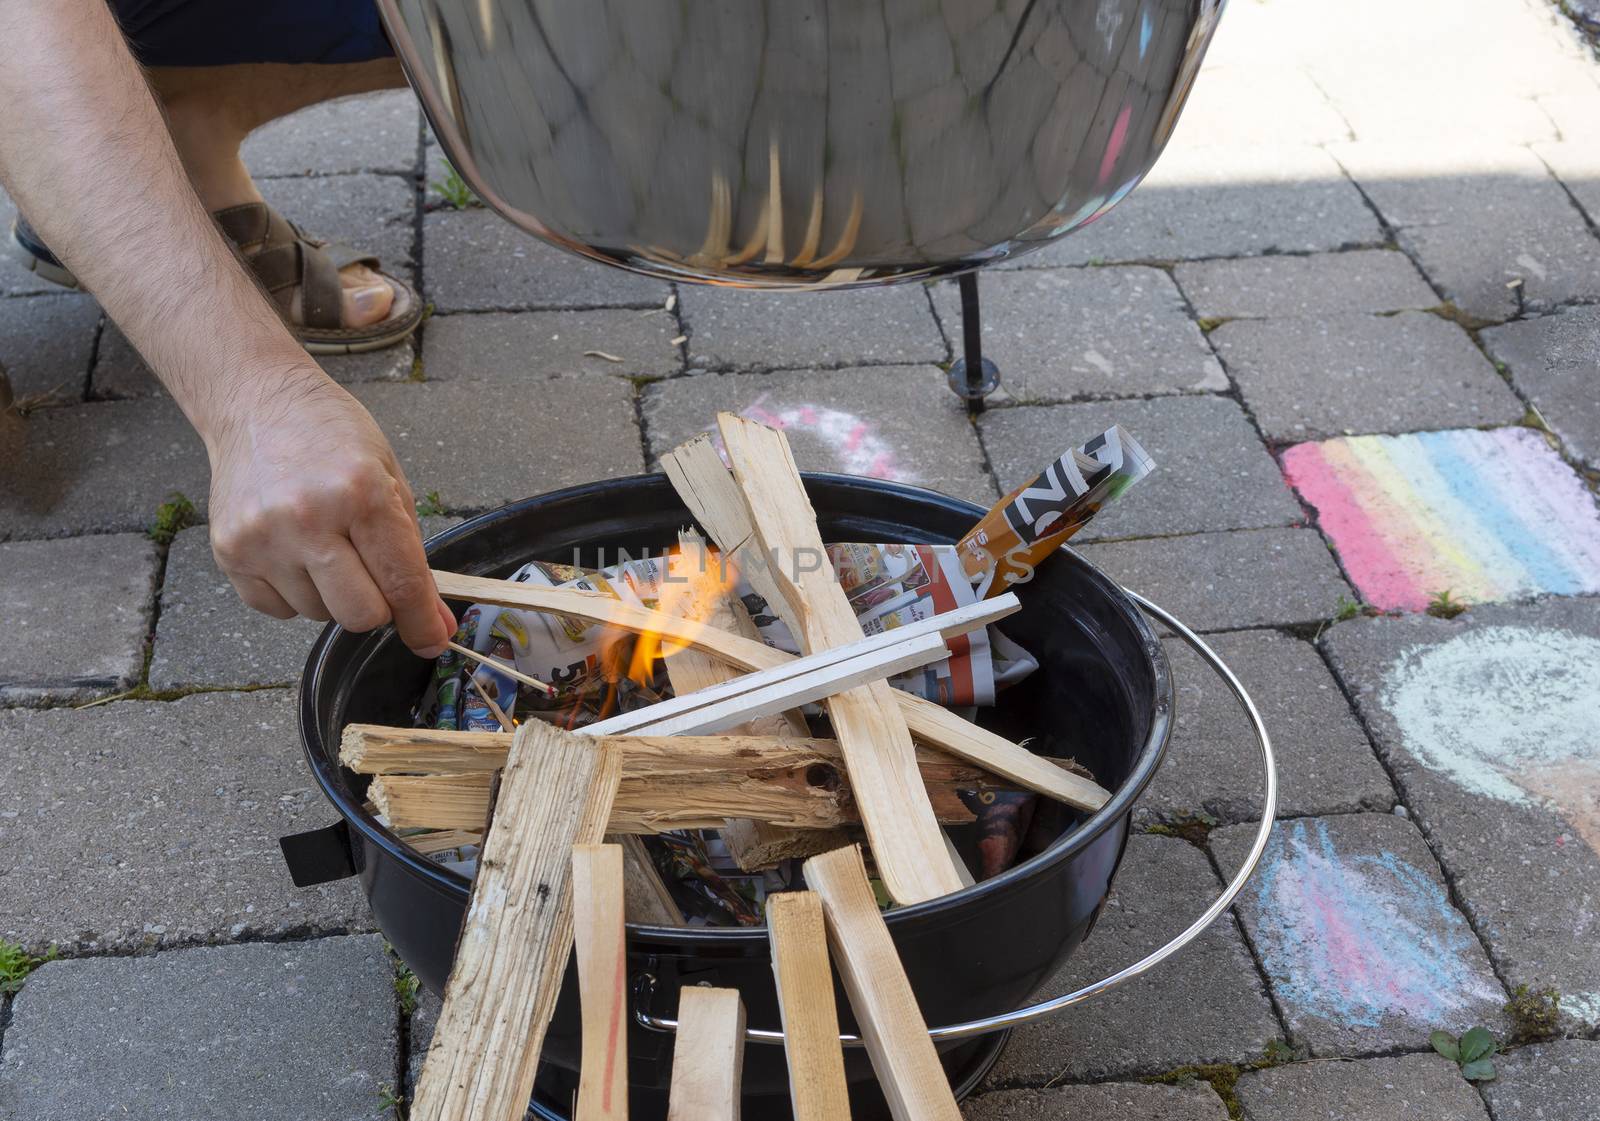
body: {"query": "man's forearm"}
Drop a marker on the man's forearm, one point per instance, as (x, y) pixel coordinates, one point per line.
(85, 152)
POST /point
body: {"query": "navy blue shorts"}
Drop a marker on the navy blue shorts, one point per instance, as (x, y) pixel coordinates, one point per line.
(225, 32)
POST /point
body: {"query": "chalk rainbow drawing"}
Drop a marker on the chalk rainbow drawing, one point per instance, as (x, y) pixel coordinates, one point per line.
(1511, 713)
(1361, 938)
(1488, 515)
(856, 446)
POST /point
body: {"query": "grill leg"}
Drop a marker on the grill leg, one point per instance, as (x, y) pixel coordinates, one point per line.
(972, 376)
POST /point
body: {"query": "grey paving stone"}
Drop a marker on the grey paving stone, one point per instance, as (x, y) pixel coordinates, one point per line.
(120, 373)
(77, 612)
(731, 329)
(1206, 1005)
(1257, 104)
(1408, 1088)
(1322, 284)
(46, 343)
(477, 261)
(1360, 374)
(1063, 333)
(143, 823)
(1227, 581)
(1108, 1101)
(889, 422)
(1354, 926)
(1225, 202)
(369, 132)
(497, 346)
(277, 1032)
(1574, 161)
(1325, 764)
(207, 636)
(100, 467)
(1475, 233)
(1487, 722)
(14, 279)
(373, 213)
(1553, 361)
(1557, 1081)
(479, 446)
(1212, 471)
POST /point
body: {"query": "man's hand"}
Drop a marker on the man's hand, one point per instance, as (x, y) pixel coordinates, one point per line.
(309, 510)
(311, 514)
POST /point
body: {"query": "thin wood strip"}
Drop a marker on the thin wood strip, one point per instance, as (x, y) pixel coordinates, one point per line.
(647, 898)
(798, 935)
(891, 1023)
(517, 933)
(495, 663)
(905, 837)
(707, 1055)
(599, 939)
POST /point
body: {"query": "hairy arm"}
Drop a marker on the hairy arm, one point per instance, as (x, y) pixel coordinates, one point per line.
(310, 512)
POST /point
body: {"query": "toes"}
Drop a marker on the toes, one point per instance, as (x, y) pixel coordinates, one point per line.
(366, 303)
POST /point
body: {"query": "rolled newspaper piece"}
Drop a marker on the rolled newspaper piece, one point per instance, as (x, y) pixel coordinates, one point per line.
(1031, 522)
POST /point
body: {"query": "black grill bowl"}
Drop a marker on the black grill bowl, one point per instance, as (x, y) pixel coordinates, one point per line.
(1103, 695)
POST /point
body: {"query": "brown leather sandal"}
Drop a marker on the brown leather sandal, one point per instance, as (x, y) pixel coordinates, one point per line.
(285, 259)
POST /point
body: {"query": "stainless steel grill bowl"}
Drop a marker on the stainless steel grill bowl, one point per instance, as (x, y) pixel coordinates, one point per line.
(801, 143)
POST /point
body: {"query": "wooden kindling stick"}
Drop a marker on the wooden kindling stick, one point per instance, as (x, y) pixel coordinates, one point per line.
(902, 1053)
(556, 792)
(906, 842)
(811, 1047)
(688, 782)
(708, 595)
(707, 1055)
(599, 944)
(495, 663)
(703, 482)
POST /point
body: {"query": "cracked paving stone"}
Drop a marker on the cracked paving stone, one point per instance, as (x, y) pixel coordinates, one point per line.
(1496, 218)
(1323, 284)
(514, 347)
(46, 343)
(1557, 1081)
(1552, 360)
(562, 432)
(144, 823)
(733, 329)
(851, 421)
(1353, 924)
(275, 1031)
(1107, 1101)
(1359, 374)
(1212, 471)
(370, 132)
(77, 611)
(103, 467)
(1205, 1006)
(1325, 764)
(1228, 581)
(1487, 723)
(1224, 202)
(477, 261)
(1408, 1088)
(1063, 333)
(207, 636)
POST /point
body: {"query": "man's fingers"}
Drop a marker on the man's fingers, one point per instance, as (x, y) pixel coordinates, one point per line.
(347, 588)
(296, 587)
(391, 549)
(258, 595)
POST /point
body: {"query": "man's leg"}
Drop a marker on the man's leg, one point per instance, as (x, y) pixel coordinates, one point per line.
(211, 109)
